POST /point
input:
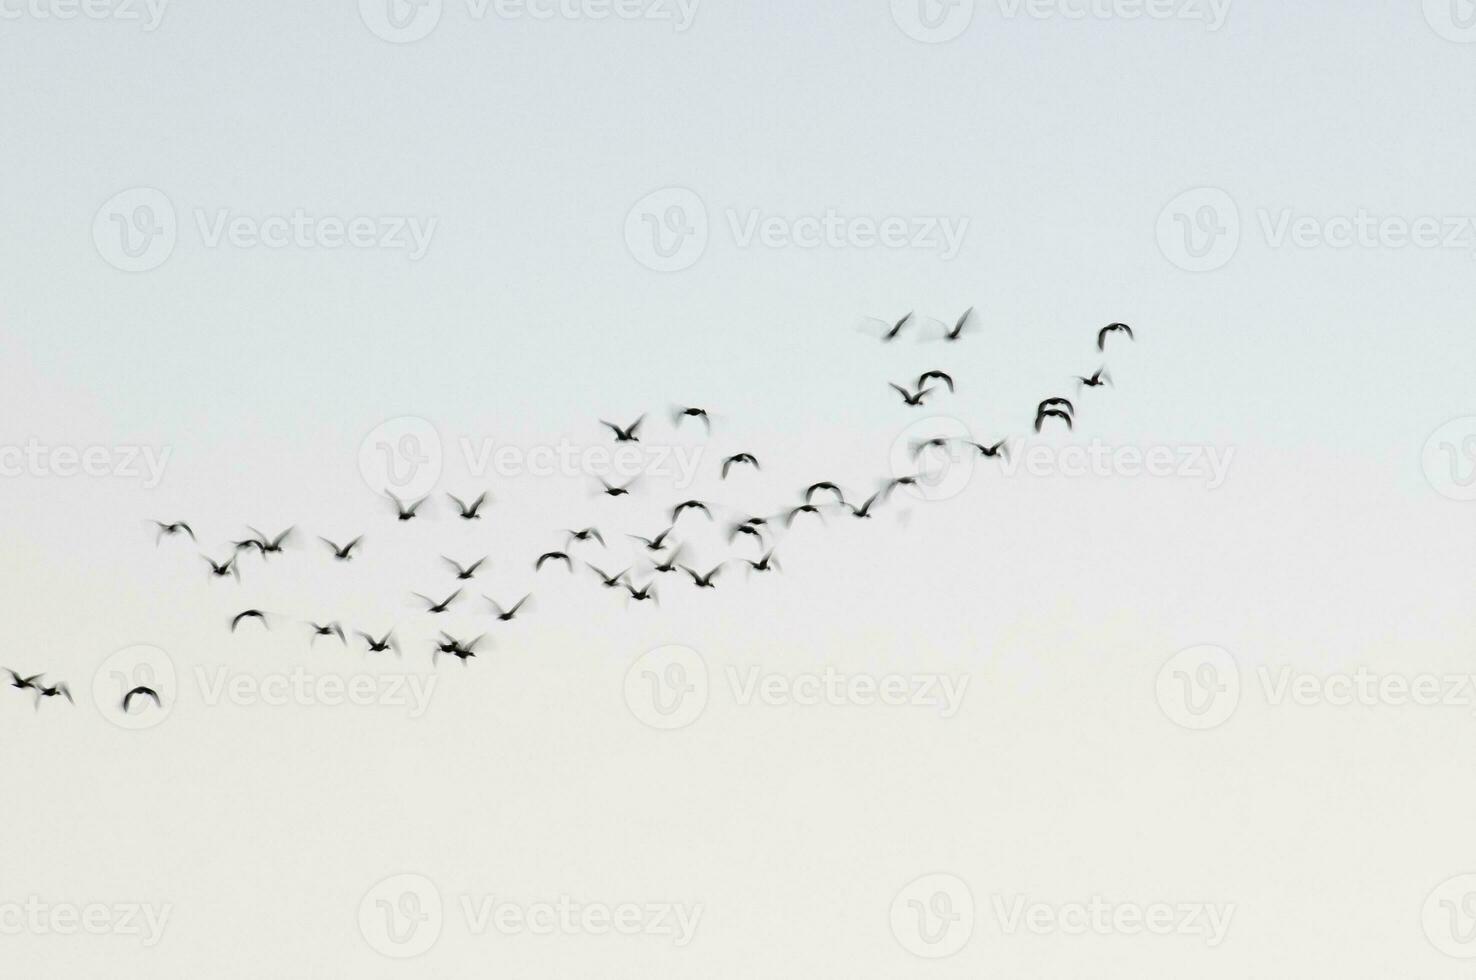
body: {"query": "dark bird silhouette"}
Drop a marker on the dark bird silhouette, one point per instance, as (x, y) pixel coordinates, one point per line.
(463, 574)
(703, 581)
(1053, 413)
(344, 552)
(998, 449)
(506, 615)
(249, 614)
(942, 376)
(222, 569)
(654, 544)
(1099, 377)
(754, 531)
(922, 445)
(647, 591)
(815, 488)
(248, 544)
(587, 534)
(437, 607)
(23, 683)
(326, 629)
(469, 511)
(1056, 403)
(141, 691)
(462, 650)
(766, 563)
(271, 546)
(381, 645)
(909, 397)
(958, 328)
(177, 527)
(864, 511)
(405, 510)
(747, 458)
(1110, 329)
(627, 434)
(895, 482)
(606, 579)
(689, 505)
(891, 334)
(614, 491)
(667, 564)
(686, 412)
(803, 509)
(55, 690)
(553, 556)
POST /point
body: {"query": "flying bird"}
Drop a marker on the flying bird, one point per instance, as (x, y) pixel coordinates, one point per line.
(766, 563)
(942, 376)
(460, 649)
(703, 581)
(1056, 403)
(221, 570)
(462, 574)
(606, 579)
(586, 534)
(326, 629)
(627, 434)
(614, 491)
(384, 643)
(864, 511)
(553, 556)
(433, 605)
(685, 412)
(1099, 377)
(506, 615)
(998, 449)
(958, 328)
(1110, 329)
(23, 683)
(469, 511)
(167, 530)
(647, 591)
(667, 564)
(405, 510)
(815, 488)
(141, 691)
(249, 614)
(1053, 413)
(271, 546)
(654, 544)
(747, 458)
(689, 505)
(52, 691)
(891, 334)
(909, 397)
(803, 509)
(344, 552)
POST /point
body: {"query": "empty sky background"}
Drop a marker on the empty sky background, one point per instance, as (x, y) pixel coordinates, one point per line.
(1320, 370)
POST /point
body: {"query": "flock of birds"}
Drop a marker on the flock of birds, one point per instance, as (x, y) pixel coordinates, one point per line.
(662, 552)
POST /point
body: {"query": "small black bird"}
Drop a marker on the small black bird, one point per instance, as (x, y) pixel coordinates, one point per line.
(463, 574)
(586, 534)
(815, 488)
(404, 509)
(271, 546)
(23, 683)
(703, 581)
(891, 334)
(553, 556)
(753, 530)
(942, 376)
(141, 692)
(803, 509)
(766, 563)
(918, 448)
(344, 553)
(249, 614)
(471, 511)
(506, 615)
(895, 482)
(1056, 403)
(689, 505)
(627, 434)
(384, 643)
(1112, 328)
(1053, 413)
(460, 649)
(606, 579)
(684, 412)
(667, 564)
(222, 570)
(647, 591)
(654, 544)
(739, 458)
(248, 544)
(53, 691)
(614, 491)
(998, 449)
(864, 511)
(958, 328)
(1099, 377)
(176, 527)
(437, 607)
(909, 397)
(327, 629)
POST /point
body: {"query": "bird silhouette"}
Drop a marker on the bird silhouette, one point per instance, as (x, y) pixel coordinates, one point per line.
(864, 511)
(892, 334)
(746, 458)
(765, 564)
(1056, 403)
(268, 545)
(326, 629)
(686, 412)
(469, 511)
(689, 505)
(627, 434)
(803, 509)
(405, 510)
(168, 530)
(911, 398)
(1112, 328)
(703, 581)
(1099, 377)
(23, 683)
(1053, 413)
(506, 615)
(141, 691)
(942, 376)
(998, 449)
(381, 645)
(249, 614)
(54, 690)
(587, 534)
(437, 607)
(463, 574)
(553, 556)
(654, 544)
(606, 579)
(222, 569)
(617, 491)
(343, 552)
(958, 328)
(825, 485)
(647, 591)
